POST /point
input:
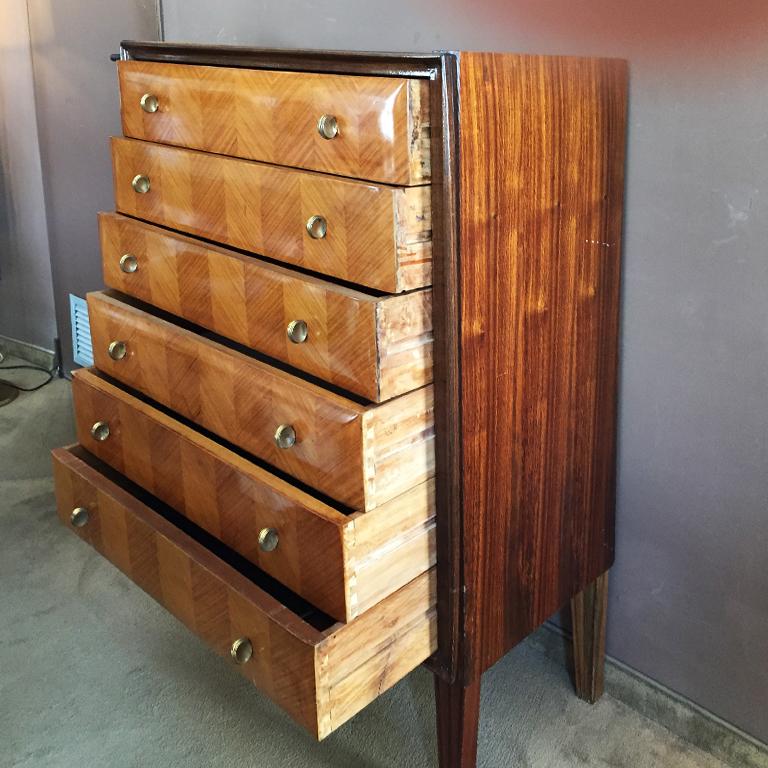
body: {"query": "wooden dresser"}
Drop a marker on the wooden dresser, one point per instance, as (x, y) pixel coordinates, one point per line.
(354, 398)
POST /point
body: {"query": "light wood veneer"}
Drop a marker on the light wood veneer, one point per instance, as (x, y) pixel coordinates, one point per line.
(375, 346)
(361, 455)
(319, 676)
(383, 123)
(342, 563)
(377, 236)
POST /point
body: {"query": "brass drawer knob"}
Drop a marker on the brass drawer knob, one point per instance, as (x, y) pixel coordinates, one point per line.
(79, 517)
(285, 436)
(297, 331)
(140, 184)
(317, 227)
(149, 102)
(241, 650)
(128, 263)
(268, 539)
(117, 350)
(100, 431)
(328, 126)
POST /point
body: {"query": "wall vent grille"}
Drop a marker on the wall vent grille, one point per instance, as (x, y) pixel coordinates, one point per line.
(82, 347)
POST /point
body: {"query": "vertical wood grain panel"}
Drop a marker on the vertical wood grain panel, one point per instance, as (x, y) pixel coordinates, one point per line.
(540, 237)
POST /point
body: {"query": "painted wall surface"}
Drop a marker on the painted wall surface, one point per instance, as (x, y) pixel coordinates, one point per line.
(689, 594)
(26, 286)
(78, 109)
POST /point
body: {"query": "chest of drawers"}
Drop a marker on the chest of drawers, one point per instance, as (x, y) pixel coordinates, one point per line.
(354, 395)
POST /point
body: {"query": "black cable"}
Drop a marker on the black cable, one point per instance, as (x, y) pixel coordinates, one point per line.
(27, 368)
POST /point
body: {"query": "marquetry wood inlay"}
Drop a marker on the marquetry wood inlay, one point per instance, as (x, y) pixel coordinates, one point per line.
(377, 347)
(360, 455)
(383, 122)
(321, 678)
(377, 236)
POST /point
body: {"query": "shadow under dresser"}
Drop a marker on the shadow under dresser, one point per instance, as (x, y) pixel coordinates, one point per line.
(353, 404)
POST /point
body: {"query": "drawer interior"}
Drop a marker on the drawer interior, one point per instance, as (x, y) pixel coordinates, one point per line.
(313, 617)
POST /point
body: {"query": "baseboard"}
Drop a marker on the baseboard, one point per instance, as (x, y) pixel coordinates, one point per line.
(674, 712)
(44, 358)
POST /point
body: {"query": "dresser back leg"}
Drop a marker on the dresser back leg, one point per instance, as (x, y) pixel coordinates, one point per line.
(588, 613)
(458, 715)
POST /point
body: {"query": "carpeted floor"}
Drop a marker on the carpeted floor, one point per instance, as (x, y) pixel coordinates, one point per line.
(94, 674)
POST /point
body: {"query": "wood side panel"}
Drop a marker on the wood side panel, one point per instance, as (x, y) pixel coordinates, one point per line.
(399, 443)
(377, 236)
(376, 347)
(321, 678)
(383, 123)
(406, 652)
(244, 400)
(540, 237)
(404, 343)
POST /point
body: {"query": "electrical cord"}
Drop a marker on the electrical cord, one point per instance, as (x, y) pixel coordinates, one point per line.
(27, 368)
(9, 390)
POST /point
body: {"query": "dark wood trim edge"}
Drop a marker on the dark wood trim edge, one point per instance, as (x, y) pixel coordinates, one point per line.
(333, 62)
(446, 313)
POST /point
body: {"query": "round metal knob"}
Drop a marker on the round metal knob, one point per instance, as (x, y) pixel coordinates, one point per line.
(128, 263)
(317, 227)
(285, 436)
(140, 184)
(328, 126)
(117, 350)
(241, 650)
(79, 517)
(268, 539)
(100, 431)
(149, 102)
(297, 331)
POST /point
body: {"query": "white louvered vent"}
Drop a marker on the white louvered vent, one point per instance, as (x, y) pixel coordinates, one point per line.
(82, 347)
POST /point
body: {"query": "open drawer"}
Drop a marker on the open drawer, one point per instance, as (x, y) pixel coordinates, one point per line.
(320, 672)
(339, 560)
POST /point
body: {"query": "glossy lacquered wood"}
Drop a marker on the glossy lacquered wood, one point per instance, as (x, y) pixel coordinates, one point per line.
(321, 677)
(371, 63)
(539, 245)
(375, 346)
(377, 236)
(361, 455)
(383, 123)
(342, 563)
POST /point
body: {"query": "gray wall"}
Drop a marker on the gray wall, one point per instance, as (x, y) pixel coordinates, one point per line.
(26, 287)
(78, 109)
(689, 599)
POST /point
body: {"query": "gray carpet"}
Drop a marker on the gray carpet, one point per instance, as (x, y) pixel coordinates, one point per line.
(94, 673)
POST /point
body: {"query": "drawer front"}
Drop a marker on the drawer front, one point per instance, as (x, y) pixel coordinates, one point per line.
(340, 563)
(382, 124)
(339, 448)
(319, 672)
(362, 233)
(375, 347)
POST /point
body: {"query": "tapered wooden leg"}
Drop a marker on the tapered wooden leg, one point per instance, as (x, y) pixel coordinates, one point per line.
(588, 613)
(458, 715)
